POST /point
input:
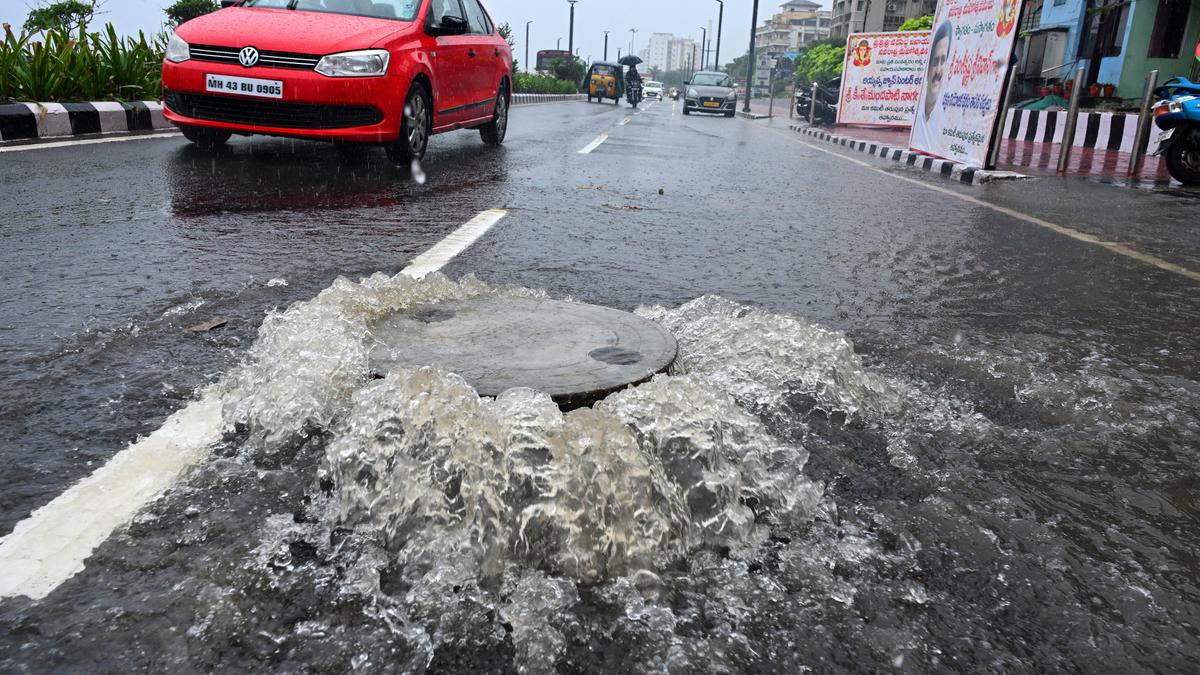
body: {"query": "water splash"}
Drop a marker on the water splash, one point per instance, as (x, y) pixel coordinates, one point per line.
(417, 172)
(442, 506)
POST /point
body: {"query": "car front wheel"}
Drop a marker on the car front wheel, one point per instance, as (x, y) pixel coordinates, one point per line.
(414, 127)
(493, 132)
(205, 138)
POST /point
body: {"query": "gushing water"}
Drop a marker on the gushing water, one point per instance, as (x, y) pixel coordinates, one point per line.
(432, 495)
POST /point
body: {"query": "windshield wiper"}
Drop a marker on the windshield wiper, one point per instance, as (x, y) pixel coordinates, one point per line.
(292, 4)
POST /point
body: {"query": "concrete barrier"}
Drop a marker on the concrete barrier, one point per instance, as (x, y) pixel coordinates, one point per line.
(1105, 131)
(30, 121)
(27, 121)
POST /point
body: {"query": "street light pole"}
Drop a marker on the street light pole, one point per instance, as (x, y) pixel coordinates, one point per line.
(606, 45)
(720, 22)
(632, 40)
(750, 59)
(558, 45)
(703, 48)
(527, 45)
(571, 34)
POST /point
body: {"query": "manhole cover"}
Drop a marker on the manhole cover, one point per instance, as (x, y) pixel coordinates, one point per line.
(574, 352)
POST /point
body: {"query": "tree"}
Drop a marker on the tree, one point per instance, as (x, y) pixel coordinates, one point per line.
(570, 69)
(822, 61)
(70, 15)
(919, 23)
(505, 31)
(186, 10)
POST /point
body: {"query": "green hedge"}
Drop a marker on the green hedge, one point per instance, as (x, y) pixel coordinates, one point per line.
(527, 83)
(59, 66)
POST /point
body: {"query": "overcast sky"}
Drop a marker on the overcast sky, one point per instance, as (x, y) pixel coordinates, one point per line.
(550, 20)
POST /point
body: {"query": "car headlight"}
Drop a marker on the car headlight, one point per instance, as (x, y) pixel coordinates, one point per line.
(732, 96)
(177, 50)
(365, 63)
(692, 93)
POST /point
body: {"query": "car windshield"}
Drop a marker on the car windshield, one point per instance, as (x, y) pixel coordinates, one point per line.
(401, 10)
(653, 84)
(711, 80)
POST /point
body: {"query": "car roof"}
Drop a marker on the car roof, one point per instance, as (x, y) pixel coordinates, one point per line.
(606, 63)
(709, 72)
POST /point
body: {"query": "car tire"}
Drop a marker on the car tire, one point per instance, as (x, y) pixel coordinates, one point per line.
(205, 138)
(414, 127)
(729, 114)
(493, 132)
(687, 110)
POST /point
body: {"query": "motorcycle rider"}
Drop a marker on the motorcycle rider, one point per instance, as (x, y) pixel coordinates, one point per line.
(633, 78)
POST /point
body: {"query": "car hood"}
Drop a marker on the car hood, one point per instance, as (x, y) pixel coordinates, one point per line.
(719, 92)
(280, 30)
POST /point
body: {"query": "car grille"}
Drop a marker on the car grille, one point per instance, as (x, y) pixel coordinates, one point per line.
(270, 113)
(265, 59)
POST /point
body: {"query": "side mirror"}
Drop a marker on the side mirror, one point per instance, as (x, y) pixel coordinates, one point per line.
(451, 25)
(686, 82)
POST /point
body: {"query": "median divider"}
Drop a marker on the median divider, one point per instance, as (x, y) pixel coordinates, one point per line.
(535, 99)
(33, 121)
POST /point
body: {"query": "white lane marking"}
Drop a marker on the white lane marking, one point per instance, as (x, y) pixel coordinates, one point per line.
(587, 149)
(88, 141)
(1115, 247)
(54, 542)
(456, 242)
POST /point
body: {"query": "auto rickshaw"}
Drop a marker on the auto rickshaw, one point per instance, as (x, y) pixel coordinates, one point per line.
(604, 80)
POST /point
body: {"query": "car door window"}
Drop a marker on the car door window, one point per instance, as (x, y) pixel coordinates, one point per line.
(444, 8)
(477, 18)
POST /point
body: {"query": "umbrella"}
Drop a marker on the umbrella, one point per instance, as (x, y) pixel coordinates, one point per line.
(630, 60)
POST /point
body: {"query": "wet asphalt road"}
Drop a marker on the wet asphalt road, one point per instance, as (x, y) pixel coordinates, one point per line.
(1085, 360)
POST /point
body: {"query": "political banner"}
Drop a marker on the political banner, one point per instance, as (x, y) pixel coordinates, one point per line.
(964, 78)
(881, 79)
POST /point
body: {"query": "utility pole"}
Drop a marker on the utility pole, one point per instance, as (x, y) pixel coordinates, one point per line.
(571, 34)
(606, 45)
(750, 60)
(527, 46)
(720, 23)
(703, 48)
(632, 40)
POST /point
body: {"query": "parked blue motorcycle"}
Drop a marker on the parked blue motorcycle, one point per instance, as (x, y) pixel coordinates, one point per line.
(1178, 114)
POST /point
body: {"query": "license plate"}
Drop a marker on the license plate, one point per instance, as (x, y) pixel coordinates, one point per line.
(711, 104)
(1165, 136)
(243, 86)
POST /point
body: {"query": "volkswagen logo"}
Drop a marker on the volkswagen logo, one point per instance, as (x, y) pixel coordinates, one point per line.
(248, 57)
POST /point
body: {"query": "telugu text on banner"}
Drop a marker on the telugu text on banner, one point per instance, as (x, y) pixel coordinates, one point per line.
(964, 78)
(882, 77)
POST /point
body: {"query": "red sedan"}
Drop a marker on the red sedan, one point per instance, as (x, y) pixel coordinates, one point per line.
(388, 72)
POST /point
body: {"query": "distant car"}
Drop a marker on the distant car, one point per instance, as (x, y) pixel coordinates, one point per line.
(653, 90)
(710, 92)
(386, 72)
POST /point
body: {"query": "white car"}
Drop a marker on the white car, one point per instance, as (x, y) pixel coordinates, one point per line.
(653, 90)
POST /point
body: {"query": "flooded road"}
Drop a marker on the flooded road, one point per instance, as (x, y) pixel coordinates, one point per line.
(906, 432)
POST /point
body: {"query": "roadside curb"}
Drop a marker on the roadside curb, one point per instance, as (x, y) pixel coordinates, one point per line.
(32, 121)
(963, 173)
(751, 115)
(534, 99)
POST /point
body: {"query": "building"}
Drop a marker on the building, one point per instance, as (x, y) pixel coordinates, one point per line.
(798, 24)
(1116, 42)
(871, 16)
(666, 52)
